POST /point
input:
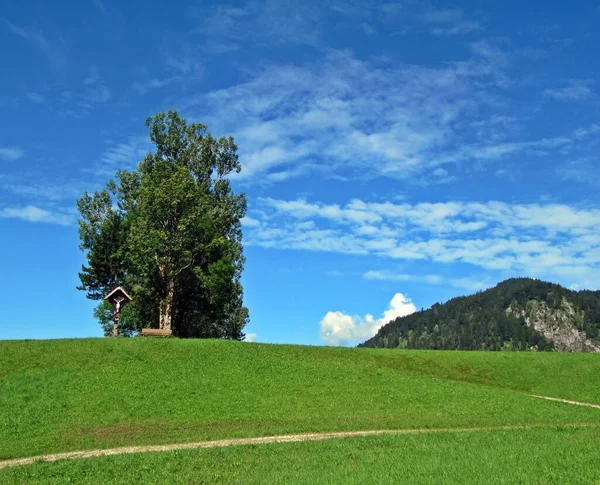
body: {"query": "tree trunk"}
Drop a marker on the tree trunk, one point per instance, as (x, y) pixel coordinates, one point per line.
(166, 307)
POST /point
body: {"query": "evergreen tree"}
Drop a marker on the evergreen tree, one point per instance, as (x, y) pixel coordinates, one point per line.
(481, 321)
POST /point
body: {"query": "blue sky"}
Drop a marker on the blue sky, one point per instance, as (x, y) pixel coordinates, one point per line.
(395, 154)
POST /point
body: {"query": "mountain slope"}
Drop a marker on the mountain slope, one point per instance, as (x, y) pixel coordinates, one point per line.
(517, 314)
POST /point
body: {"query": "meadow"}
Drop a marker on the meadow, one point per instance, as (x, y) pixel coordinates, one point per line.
(555, 455)
(65, 395)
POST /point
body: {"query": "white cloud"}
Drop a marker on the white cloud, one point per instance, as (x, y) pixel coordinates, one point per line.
(11, 154)
(577, 90)
(250, 222)
(32, 213)
(348, 118)
(337, 112)
(544, 240)
(251, 337)
(438, 218)
(338, 328)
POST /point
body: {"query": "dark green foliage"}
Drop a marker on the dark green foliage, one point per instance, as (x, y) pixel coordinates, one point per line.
(480, 321)
(103, 234)
(170, 233)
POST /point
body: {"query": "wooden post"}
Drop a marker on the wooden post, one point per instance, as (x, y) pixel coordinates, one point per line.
(115, 332)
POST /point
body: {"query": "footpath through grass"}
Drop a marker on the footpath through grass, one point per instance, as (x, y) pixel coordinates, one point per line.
(534, 456)
(82, 394)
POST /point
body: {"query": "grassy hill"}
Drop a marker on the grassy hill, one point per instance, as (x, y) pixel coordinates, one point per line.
(81, 394)
(517, 314)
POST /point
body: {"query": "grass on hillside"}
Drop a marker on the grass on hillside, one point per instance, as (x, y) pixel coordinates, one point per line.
(535, 456)
(95, 393)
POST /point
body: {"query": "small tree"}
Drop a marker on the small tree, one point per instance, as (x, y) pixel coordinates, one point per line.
(170, 232)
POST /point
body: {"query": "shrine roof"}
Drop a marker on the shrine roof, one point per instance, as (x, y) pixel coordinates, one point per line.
(118, 290)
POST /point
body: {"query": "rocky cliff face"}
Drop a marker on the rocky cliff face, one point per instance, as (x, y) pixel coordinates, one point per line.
(559, 325)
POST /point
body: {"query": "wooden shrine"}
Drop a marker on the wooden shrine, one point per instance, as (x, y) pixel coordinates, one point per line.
(118, 299)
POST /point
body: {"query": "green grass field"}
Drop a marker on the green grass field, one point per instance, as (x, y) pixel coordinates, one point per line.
(83, 394)
(536, 456)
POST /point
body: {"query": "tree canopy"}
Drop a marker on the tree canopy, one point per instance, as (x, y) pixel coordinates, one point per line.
(170, 232)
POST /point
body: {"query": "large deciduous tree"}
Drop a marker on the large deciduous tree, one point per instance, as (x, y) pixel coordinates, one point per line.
(170, 232)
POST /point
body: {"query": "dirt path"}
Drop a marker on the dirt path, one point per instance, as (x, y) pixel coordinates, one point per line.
(568, 401)
(295, 438)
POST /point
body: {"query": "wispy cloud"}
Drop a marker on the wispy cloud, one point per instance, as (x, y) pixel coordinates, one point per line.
(11, 154)
(184, 64)
(542, 240)
(370, 17)
(93, 76)
(125, 155)
(96, 91)
(467, 283)
(386, 275)
(53, 50)
(32, 213)
(228, 27)
(35, 98)
(99, 4)
(343, 117)
(97, 95)
(576, 90)
(93, 93)
(583, 170)
(374, 118)
(450, 22)
(144, 86)
(69, 190)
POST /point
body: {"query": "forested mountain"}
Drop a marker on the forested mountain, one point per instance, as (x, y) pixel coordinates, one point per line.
(517, 314)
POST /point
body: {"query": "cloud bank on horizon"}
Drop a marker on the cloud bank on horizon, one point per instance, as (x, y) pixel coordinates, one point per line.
(338, 328)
